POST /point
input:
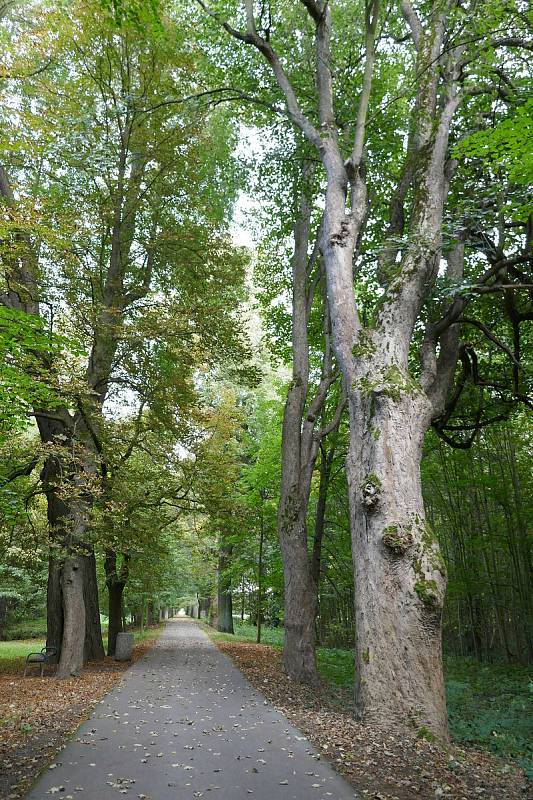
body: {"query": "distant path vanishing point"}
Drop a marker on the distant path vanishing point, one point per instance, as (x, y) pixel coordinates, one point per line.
(185, 723)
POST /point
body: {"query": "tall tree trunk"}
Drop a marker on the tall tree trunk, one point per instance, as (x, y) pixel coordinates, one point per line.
(225, 600)
(398, 628)
(115, 581)
(71, 658)
(398, 579)
(260, 572)
(93, 646)
(326, 460)
(299, 448)
(116, 591)
(54, 606)
(300, 602)
(60, 515)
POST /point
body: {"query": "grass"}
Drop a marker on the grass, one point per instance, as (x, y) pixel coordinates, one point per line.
(147, 633)
(13, 653)
(35, 628)
(489, 705)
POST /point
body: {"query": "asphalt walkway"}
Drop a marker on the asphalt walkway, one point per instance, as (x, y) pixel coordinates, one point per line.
(185, 723)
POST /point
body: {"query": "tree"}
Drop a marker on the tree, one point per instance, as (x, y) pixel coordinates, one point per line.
(301, 438)
(118, 244)
(399, 573)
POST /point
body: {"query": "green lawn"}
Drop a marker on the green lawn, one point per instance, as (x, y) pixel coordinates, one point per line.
(489, 705)
(13, 653)
(34, 628)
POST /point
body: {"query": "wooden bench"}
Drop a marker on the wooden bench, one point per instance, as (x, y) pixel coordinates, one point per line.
(45, 657)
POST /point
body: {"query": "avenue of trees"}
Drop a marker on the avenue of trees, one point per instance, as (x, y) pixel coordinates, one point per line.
(338, 411)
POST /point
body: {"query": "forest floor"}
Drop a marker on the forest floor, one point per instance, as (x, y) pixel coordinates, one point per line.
(378, 764)
(38, 715)
(35, 722)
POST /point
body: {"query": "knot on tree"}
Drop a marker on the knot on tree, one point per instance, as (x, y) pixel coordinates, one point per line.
(426, 588)
(371, 490)
(397, 538)
(340, 239)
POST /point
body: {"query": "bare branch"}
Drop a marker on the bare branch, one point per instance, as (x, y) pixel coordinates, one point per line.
(314, 9)
(37, 71)
(371, 19)
(233, 94)
(512, 41)
(335, 420)
(17, 472)
(492, 336)
(251, 37)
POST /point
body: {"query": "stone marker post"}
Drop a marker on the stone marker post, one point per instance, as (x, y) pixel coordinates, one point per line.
(124, 647)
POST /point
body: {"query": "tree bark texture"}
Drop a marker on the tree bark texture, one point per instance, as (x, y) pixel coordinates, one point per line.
(115, 591)
(299, 449)
(93, 646)
(300, 603)
(71, 658)
(115, 582)
(400, 576)
(260, 574)
(54, 606)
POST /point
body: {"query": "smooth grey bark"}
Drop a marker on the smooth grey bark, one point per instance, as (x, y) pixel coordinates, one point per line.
(60, 513)
(71, 659)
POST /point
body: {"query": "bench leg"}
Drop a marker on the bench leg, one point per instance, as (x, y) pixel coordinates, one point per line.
(25, 668)
(42, 669)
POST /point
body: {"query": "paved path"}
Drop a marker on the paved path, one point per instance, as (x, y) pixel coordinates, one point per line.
(185, 723)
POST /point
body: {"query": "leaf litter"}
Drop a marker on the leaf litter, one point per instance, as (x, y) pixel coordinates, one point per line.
(37, 716)
(379, 764)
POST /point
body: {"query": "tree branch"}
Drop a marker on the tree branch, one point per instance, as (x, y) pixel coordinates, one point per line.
(371, 20)
(413, 21)
(251, 37)
(493, 338)
(314, 9)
